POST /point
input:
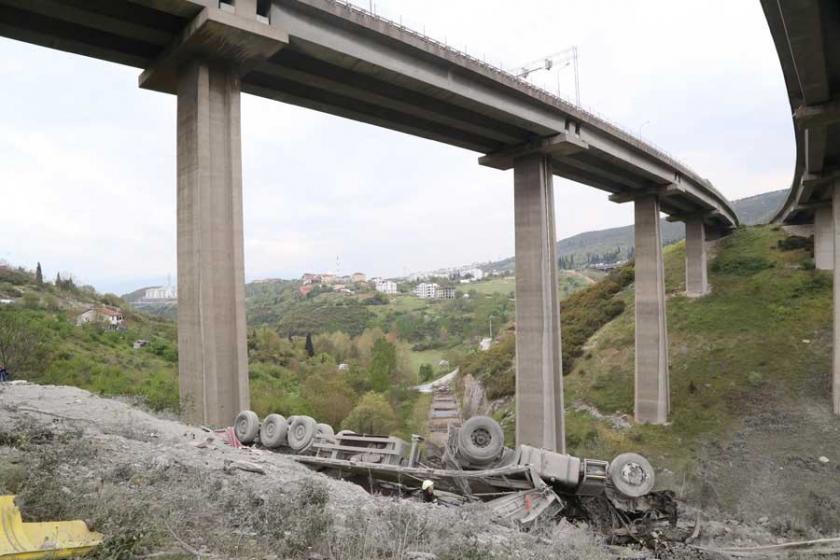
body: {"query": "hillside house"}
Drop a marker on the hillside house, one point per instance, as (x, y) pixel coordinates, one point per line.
(110, 317)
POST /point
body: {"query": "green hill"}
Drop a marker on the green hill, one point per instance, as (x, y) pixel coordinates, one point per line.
(750, 378)
(40, 341)
(752, 210)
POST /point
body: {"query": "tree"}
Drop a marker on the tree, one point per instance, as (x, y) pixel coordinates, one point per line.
(310, 349)
(382, 364)
(426, 372)
(21, 343)
(39, 276)
(329, 396)
(373, 415)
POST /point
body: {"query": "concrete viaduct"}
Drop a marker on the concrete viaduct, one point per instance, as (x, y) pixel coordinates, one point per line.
(331, 57)
(807, 38)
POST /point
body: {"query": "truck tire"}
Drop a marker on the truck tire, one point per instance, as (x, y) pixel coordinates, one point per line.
(273, 431)
(246, 426)
(301, 433)
(481, 440)
(326, 431)
(631, 474)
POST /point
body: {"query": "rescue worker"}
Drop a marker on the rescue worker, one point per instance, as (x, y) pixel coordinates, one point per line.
(4, 374)
(427, 492)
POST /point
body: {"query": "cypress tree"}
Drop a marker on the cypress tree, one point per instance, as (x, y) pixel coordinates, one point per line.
(310, 348)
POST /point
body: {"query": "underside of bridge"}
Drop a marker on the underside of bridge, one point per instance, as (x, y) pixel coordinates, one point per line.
(807, 38)
(337, 59)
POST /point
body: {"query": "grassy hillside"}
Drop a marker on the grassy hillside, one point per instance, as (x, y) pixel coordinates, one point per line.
(60, 352)
(750, 385)
(752, 210)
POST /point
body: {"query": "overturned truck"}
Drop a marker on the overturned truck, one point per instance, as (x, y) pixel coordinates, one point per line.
(520, 485)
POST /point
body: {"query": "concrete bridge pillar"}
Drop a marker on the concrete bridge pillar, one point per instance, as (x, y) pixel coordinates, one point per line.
(652, 399)
(696, 271)
(835, 218)
(824, 238)
(212, 360)
(539, 378)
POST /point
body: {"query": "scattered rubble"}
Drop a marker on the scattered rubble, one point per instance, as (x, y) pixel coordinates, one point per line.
(139, 480)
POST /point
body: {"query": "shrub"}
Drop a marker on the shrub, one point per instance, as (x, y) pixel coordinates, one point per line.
(373, 415)
(741, 265)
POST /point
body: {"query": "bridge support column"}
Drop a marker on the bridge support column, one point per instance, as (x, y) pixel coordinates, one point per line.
(652, 402)
(835, 220)
(696, 272)
(539, 378)
(212, 358)
(824, 238)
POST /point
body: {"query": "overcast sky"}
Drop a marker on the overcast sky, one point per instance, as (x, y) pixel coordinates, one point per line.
(87, 159)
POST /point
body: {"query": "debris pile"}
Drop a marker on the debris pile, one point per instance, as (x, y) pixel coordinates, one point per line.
(523, 485)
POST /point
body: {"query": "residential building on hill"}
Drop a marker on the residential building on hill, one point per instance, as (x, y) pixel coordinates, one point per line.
(386, 286)
(445, 293)
(426, 290)
(161, 292)
(112, 317)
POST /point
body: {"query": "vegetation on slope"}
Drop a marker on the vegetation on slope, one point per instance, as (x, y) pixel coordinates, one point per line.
(750, 385)
(583, 313)
(57, 351)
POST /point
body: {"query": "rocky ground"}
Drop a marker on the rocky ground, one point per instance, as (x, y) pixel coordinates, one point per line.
(158, 488)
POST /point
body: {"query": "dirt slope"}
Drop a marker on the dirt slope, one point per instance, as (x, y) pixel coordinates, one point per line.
(143, 481)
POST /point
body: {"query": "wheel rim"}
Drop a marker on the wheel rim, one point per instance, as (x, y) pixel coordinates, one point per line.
(481, 437)
(269, 429)
(633, 474)
(242, 425)
(300, 431)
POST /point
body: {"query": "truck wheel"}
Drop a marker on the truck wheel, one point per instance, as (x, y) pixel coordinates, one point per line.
(301, 433)
(326, 431)
(273, 431)
(631, 474)
(481, 440)
(246, 426)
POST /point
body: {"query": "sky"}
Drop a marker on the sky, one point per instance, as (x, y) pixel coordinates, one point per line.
(87, 159)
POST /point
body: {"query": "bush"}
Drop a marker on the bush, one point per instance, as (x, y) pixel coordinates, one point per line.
(426, 372)
(795, 242)
(743, 265)
(373, 415)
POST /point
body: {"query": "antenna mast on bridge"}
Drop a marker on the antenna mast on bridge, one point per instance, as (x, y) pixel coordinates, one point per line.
(561, 59)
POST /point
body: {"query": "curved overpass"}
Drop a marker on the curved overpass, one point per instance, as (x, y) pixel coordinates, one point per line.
(807, 38)
(333, 57)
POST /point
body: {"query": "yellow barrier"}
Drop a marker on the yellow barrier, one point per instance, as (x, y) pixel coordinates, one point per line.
(31, 541)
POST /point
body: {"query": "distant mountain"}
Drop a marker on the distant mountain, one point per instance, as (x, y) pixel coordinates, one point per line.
(752, 210)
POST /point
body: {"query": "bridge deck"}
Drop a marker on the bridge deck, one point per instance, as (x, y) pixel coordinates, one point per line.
(344, 61)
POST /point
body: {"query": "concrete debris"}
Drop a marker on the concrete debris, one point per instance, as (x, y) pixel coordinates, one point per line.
(231, 466)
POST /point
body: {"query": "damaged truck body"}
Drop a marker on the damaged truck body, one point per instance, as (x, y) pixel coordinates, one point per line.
(519, 485)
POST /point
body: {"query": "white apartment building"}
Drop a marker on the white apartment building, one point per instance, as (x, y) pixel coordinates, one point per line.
(476, 273)
(386, 286)
(162, 292)
(426, 290)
